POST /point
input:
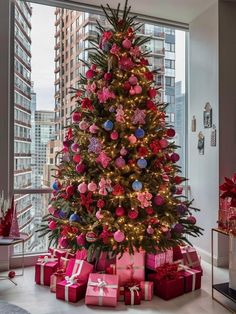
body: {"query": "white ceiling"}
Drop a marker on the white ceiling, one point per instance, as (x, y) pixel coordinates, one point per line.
(183, 11)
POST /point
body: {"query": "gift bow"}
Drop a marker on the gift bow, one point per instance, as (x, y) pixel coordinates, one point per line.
(47, 259)
(101, 284)
(71, 279)
(132, 290)
(228, 189)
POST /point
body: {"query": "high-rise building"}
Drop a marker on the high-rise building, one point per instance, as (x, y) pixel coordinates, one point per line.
(22, 116)
(72, 32)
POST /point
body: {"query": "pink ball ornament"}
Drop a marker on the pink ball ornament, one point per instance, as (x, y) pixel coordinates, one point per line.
(126, 43)
(123, 151)
(51, 209)
(132, 139)
(93, 128)
(192, 220)
(75, 148)
(80, 239)
(150, 230)
(82, 187)
(63, 242)
(119, 236)
(92, 186)
(120, 211)
(114, 135)
(163, 143)
(83, 125)
(159, 200)
(77, 158)
(52, 225)
(174, 157)
(138, 89)
(120, 162)
(89, 74)
(132, 91)
(99, 215)
(76, 117)
(133, 214)
(133, 80)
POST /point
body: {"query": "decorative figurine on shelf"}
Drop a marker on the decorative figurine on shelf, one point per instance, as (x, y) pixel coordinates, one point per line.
(6, 215)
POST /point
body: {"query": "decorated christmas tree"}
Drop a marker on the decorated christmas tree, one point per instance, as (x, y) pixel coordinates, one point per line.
(118, 185)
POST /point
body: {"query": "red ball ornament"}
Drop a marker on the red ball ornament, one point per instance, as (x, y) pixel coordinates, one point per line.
(152, 93)
(178, 179)
(120, 211)
(70, 190)
(174, 157)
(89, 74)
(192, 220)
(126, 43)
(100, 203)
(11, 274)
(76, 117)
(149, 211)
(138, 89)
(159, 200)
(127, 85)
(107, 76)
(114, 135)
(170, 132)
(163, 143)
(52, 225)
(133, 214)
(63, 242)
(77, 158)
(149, 76)
(80, 239)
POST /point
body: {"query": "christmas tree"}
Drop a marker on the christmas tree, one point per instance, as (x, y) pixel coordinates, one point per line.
(117, 187)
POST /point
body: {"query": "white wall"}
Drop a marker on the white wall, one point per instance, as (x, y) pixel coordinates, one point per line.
(203, 87)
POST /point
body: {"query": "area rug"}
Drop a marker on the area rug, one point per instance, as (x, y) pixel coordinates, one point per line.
(7, 308)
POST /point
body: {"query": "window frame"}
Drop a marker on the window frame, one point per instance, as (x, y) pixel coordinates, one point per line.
(7, 17)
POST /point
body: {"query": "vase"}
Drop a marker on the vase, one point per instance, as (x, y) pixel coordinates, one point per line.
(232, 262)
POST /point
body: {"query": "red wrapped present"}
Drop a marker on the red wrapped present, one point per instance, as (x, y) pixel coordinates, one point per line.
(146, 288)
(71, 289)
(55, 252)
(156, 260)
(105, 260)
(102, 290)
(168, 283)
(177, 253)
(130, 267)
(56, 278)
(64, 263)
(132, 294)
(80, 268)
(44, 268)
(191, 258)
(192, 278)
(111, 269)
(81, 254)
(121, 294)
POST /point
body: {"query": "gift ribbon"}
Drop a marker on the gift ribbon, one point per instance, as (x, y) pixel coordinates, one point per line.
(77, 267)
(69, 282)
(42, 262)
(101, 284)
(131, 267)
(132, 293)
(188, 270)
(146, 287)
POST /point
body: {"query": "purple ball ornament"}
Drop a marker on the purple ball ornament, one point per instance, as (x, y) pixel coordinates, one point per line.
(75, 148)
(120, 162)
(159, 200)
(178, 228)
(181, 209)
(192, 220)
(174, 157)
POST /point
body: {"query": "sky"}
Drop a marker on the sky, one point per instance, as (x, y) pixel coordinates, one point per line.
(43, 55)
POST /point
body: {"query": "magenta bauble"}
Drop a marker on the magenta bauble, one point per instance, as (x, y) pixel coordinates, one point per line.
(149, 210)
(178, 228)
(127, 85)
(70, 190)
(163, 143)
(133, 80)
(76, 117)
(114, 135)
(108, 76)
(82, 187)
(192, 220)
(120, 211)
(133, 214)
(92, 186)
(152, 93)
(150, 230)
(83, 125)
(138, 89)
(174, 157)
(75, 148)
(126, 43)
(52, 225)
(51, 209)
(63, 242)
(119, 236)
(159, 200)
(132, 91)
(170, 132)
(80, 239)
(93, 128)
(77, 159)
(120, 162)
(89, 74)
(80, 168)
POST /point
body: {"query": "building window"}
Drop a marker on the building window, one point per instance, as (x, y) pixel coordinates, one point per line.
(170, 81)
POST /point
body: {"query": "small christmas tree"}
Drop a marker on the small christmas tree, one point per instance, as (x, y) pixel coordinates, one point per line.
(117, 186)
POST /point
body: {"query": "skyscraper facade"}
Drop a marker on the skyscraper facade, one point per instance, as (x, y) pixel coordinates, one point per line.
(22, 116)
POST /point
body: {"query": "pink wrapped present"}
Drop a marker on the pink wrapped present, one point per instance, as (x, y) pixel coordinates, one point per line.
(130, 267)
(81, 254)
(111, 269)
(55, 252)
(192, 278)
(102, 290)
(80, 268)
(156, 260)
(56, 278)
(146, 290)
(191, 258)
(44, 268)
(105, 260)
(64, 263)
(70, 289)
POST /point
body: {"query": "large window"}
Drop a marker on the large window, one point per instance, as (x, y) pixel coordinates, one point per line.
(47, 62)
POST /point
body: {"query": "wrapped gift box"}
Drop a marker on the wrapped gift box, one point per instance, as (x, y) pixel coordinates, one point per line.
(111, 269)
(58, 253)
(177, 253)
(70, 289)
(81, 254)
(102, 290)
(192, 279)
(121, 294)
(80, 268)
(130, 267)
(44, 269)
(169, 288)
(132, 295)
(156, 260)
(56, 278)
(146, 290)
(104, 261)
(191, 258)
(64, 263)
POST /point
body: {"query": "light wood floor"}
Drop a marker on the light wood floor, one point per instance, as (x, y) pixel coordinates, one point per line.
(39, 300)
